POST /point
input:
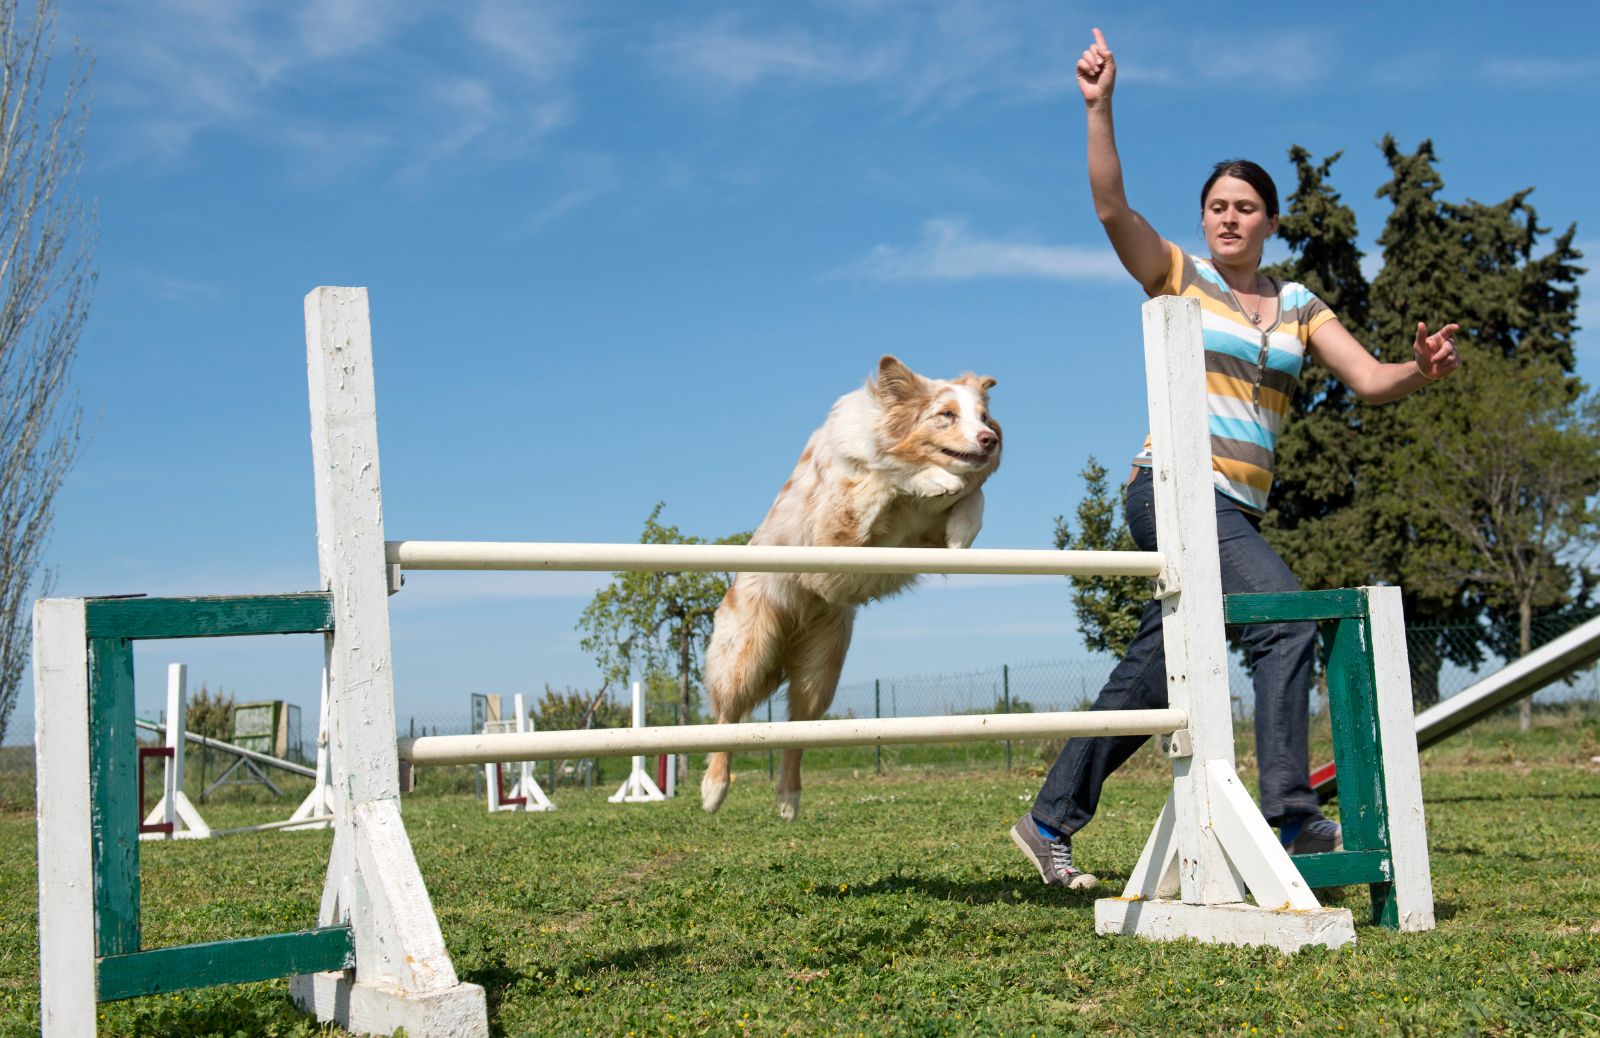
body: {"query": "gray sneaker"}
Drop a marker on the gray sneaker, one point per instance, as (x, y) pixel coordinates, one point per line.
(1311, 834)
(1053, 858)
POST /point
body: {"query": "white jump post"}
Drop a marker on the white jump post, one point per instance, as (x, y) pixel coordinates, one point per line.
(316, 809)
(1210, 846)
(403, 975)
(526, 793)
(174, 812)
(638, 787)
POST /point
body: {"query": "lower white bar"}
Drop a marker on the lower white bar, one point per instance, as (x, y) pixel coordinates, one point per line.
(1242, 924)
(777, 735)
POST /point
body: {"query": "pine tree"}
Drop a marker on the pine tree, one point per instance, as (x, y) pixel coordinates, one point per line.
(1108, 608)
(1317, 446)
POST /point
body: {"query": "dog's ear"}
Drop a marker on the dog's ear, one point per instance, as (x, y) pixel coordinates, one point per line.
(895, 381)
(982, 383)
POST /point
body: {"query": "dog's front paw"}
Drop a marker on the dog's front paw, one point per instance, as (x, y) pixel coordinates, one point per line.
(789, 806)
(712, 794)
(936, 482)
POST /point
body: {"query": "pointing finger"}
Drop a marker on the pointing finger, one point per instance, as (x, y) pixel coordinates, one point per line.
(1422, 334)
(1100, 39)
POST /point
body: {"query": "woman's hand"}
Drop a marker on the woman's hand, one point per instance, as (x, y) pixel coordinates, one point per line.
(1436, 354)
(1097, 71)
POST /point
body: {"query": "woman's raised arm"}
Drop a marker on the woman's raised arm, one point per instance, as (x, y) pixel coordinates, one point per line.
(1142, 251)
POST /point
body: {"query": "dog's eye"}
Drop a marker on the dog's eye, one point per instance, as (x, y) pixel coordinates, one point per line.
(948, 414)
(984, 418)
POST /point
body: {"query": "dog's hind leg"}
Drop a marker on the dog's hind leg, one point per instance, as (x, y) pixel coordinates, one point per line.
(742, 669)
(813, 664)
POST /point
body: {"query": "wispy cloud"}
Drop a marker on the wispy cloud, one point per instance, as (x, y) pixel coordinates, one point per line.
(948, 251)
(539, 39)
(385, 93)
(1541, 72)
(733, 57)
(588, 177)
(1280, 60)
(937, 55)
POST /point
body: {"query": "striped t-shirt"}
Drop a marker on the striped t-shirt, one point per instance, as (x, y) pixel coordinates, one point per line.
(1250, 374)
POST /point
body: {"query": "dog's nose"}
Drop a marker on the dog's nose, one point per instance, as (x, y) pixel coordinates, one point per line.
(987, 440)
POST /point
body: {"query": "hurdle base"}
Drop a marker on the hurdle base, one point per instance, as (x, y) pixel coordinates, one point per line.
(1288, 930)
(457, 1012)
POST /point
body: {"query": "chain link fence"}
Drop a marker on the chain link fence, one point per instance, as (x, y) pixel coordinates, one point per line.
(1444, 661)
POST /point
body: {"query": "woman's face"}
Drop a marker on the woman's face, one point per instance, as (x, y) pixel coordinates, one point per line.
(1235, 222)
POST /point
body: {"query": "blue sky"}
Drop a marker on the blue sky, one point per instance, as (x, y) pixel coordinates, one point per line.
(629, 252)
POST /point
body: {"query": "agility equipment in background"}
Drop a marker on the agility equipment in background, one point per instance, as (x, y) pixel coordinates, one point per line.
(173, 817)
(1557, 659)
(1212, 870)
(638, 787)
(526, 794)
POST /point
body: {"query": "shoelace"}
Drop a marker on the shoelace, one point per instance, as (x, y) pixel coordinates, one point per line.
(1061, 857)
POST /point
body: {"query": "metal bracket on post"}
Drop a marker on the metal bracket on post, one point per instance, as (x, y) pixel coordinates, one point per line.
(1167, 583)
(397, 579)
(1178, 744)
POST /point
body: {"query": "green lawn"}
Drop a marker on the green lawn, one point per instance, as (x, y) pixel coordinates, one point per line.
(897, 905)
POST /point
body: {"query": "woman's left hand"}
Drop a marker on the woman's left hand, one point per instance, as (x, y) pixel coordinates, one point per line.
(1436, 354)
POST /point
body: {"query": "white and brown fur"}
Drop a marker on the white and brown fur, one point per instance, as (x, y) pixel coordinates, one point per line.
(898, 463)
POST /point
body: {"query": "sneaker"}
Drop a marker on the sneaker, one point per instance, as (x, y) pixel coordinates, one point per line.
(1311, 834)
(1053, 858)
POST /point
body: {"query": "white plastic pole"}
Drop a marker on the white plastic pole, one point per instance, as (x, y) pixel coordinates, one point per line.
(764, 558)
(700, 738)
(177, 715)
(638, 787)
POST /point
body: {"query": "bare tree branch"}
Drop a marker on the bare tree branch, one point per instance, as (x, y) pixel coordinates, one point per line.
(47, 239)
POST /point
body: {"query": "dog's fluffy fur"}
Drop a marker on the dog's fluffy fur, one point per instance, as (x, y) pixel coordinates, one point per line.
(898, 463)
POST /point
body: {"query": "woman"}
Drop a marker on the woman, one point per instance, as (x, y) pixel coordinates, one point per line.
(1257, 333)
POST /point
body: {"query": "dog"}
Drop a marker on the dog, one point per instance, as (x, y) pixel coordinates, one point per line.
(899, 463)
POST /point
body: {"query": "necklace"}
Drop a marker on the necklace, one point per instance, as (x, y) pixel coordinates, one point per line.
(1254, 316)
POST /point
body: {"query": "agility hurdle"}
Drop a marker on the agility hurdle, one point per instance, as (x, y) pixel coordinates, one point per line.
(381, 962)
(526, 794)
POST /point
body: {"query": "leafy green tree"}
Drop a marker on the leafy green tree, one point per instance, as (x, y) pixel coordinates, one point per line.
(1474, 264)
(570, 710)
(1108, 607)
(1523, 521)
(210, 714)
(647, 623)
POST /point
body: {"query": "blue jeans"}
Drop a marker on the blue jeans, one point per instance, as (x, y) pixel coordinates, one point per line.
(1281, 654)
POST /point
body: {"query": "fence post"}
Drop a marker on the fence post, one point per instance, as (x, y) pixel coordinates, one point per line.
(877, 711)
(770, 773)
(1005, 692)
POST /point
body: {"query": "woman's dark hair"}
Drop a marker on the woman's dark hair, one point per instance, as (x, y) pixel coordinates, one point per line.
(1250, 173)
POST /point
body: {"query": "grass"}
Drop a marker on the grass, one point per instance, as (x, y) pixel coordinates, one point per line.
(895, 906)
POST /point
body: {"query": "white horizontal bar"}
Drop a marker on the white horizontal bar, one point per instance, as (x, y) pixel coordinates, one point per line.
(775, 735)
(765, 558)
(287, 823)
(237, 751)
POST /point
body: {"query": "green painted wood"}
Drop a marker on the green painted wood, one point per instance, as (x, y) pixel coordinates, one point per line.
(225, 962)
(1294, 606)
(1340, 868)
(301, 613)
(1385, 909)
(1357, 750)
(113, 796)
